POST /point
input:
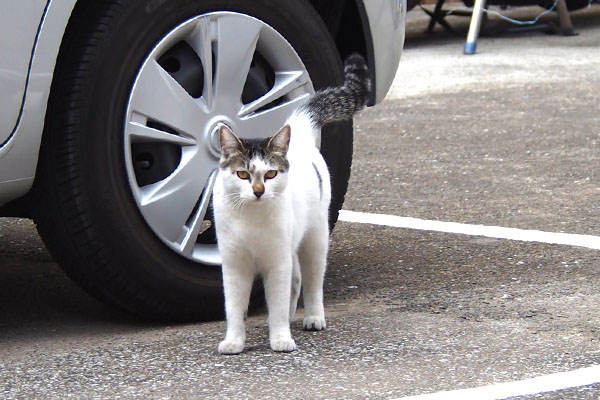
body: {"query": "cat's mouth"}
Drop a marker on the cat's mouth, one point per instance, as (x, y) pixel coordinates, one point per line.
(258, 200)
(250, 198)
(261, 199)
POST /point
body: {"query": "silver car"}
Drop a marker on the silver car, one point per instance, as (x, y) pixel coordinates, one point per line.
(109, 112)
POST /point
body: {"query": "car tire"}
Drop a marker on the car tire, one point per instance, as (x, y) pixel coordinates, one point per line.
(86, 212)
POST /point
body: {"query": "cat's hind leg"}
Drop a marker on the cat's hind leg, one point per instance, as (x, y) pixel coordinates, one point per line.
(237, 282)
(312, 255)
(296, 286)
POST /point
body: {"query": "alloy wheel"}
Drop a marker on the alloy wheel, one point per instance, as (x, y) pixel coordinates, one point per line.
(218, 68)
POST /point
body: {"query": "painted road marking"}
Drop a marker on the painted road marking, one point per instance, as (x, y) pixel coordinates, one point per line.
(498, 232)
(542, 384)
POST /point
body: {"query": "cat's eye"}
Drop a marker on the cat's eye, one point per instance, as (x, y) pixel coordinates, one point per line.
(243, 175)
(270, 174)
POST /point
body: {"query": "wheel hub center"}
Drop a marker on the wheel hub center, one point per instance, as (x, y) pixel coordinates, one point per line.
(214, 139)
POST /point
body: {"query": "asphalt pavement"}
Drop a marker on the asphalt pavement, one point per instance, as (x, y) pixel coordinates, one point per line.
(507, 137)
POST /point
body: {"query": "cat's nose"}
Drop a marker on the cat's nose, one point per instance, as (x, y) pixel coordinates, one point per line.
(259, 189)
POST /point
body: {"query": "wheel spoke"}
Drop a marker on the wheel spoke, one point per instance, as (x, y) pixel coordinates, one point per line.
(189, 239)
(167, 204)
(143, 134)
(285, 83)
(201, 40)
(268, 122)
(237, 37)
(157, 96)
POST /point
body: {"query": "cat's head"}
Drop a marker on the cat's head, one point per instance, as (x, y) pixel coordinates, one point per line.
(254, 170)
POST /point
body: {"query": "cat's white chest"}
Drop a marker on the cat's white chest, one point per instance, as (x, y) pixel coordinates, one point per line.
(256, 223)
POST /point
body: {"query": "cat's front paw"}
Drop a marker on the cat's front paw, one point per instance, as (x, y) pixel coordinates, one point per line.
(283, 345)
(230, 347)
(314, 323)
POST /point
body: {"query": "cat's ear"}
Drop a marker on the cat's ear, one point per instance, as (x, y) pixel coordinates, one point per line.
(280, 142)
(230, 143)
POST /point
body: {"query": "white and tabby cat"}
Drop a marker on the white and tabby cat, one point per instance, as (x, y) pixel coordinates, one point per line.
(271, 202)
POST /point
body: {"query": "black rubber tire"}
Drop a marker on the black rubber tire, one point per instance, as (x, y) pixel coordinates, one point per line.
(85, 211)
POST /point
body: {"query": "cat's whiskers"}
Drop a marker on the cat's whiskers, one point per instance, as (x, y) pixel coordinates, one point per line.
(235, 201)
(237, 205)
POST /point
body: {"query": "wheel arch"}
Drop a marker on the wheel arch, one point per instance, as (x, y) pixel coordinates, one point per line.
(20, 153)
(354, 35)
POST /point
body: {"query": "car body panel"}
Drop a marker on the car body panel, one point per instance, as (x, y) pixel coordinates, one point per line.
(19, 21)
(19, 154)
(385, 20)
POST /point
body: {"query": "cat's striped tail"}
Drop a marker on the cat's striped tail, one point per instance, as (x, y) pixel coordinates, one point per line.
(341, 102)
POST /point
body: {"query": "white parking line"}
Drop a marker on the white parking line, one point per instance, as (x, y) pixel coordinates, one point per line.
(498, 232)
(542, 384)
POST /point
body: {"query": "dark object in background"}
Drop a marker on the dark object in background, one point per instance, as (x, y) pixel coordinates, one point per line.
(571, 4)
